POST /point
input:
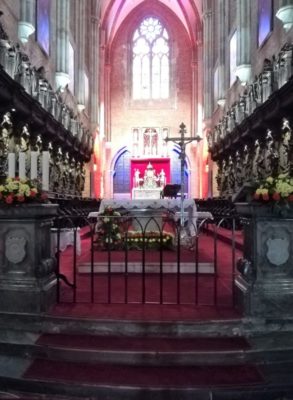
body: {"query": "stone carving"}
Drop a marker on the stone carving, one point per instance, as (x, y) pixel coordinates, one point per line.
(278, 250)
(284, 150)
(80, 177)
(5, 142)
(266, 80)
(231, 175)
(15, 251)
(238, 170)
(285, 64)
(271, 156)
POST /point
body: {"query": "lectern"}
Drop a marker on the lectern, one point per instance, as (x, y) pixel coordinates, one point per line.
(170, 190)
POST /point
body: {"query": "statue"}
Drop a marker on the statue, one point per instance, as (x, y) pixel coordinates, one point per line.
(284, 150)
(247, 163)
(150, 178)
(238, 170)
(136, 177)
(80, 178)
(231, 176)
(5, 134)
(65, 173)
(162, 178)
(271, 156)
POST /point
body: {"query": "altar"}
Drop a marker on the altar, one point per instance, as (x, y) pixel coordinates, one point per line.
(140, 193)
(144, 209)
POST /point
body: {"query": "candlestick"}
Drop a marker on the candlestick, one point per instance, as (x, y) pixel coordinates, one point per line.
(11, 165)
(34, 165)
(22, 165)
(45, 170)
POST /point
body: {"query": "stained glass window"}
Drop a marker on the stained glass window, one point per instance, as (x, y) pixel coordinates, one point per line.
(265, 14)
(150, 61)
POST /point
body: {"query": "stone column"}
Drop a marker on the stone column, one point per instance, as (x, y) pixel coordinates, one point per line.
(243, 23)
(95, 63)
(108, 102)
(207, 60)
(222, 54)
(285, 14)
(81, 54)
(62, 43)
(26, 24)
(194, 99)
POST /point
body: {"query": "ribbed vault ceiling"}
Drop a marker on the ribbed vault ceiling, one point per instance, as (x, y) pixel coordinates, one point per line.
(114, 12)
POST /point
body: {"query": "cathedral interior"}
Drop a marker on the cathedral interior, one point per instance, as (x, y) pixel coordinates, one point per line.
(146, 199)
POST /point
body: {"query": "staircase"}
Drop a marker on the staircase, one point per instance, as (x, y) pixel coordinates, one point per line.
(64, 358)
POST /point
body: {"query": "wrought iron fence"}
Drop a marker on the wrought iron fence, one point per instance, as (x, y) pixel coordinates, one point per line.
(145, 259)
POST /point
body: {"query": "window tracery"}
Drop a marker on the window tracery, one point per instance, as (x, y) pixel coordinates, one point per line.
(150, 61)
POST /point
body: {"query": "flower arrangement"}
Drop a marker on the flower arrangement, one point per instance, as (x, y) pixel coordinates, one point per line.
(18, 191)
(108, 229)
(150, 240)
(277, 190)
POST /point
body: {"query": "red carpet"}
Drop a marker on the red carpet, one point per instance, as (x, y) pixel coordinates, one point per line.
(144, 343)
(111, 296)
(169, 377)
(144, 312)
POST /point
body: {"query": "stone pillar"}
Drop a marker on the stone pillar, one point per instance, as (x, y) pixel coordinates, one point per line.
(62, 43)
(194, 99)
(95, 63)
(108, 102)
(81, 54)
(285, 14)
(207, 60)
(243, 23)
(27, 267)
(222, 23)
(26, 24)
(264, 284)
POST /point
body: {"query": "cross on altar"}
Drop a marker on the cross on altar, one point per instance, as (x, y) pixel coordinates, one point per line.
(182, 141)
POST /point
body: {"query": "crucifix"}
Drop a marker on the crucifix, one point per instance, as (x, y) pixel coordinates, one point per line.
(182, 141)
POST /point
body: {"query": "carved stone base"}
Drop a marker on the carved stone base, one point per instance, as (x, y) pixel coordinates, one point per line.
(27, 268)
(264, 285)
(28, 299)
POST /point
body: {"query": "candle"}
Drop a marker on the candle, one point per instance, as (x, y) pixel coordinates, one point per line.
(34, 165)
(21, 165)
(45, 170)
(11, 165)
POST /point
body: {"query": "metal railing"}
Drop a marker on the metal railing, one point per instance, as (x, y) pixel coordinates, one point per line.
(145, 259)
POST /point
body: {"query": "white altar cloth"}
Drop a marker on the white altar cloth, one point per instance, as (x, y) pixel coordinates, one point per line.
(138, 193)
(172, 205)
(66, 239)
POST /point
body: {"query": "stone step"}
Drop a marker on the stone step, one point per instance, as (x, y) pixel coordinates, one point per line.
(131, 350)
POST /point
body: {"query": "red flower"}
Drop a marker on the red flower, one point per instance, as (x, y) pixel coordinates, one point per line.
(290, 198)
(266, 197)
(44, 196)
(9, 199)
(276, 196)
(256, 196)
(32, 193)
(20, 199)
